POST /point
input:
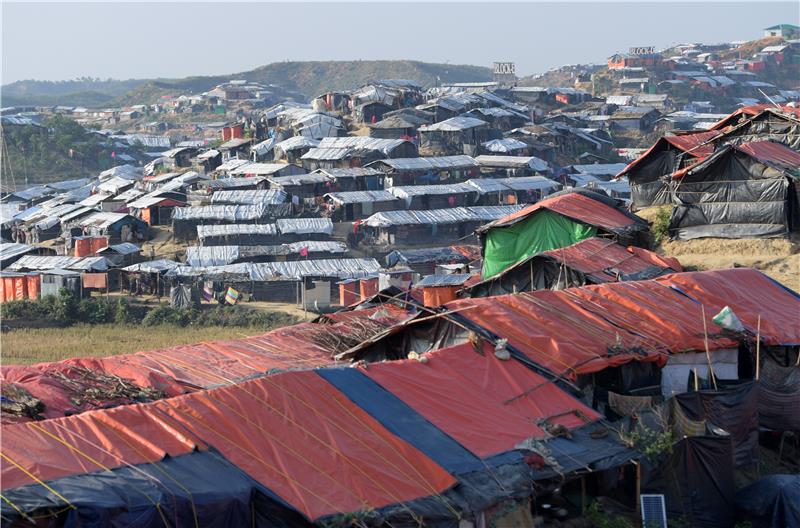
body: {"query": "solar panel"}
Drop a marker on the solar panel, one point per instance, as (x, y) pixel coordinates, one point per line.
(654, 514)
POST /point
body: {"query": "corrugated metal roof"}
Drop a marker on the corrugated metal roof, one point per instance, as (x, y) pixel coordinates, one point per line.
(213, 230)
(233, 164)
(230, 213)
(36, 262)
(12, 249)
(602, 169)
(428, 163)
(152, 266)
(326, 154)
(262, 169)
(125, 248)
(203, 256)
(349, 172)
(299, 179)
(290, 270)
(228, 183)
(436, 281)
(430, 190)
(361, 196)
(485, 185)
(100, 219)
(297, 142)
(454, 124)
(249, 197)
(505, 145)
(533, 162)
(452, 215)
(302, 226)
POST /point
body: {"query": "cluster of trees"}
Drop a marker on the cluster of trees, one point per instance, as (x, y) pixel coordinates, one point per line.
(58, 150)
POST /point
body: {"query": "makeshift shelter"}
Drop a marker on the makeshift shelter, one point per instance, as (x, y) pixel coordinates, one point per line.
(301, 185)
(10, 252)
(401, 126)
(429, 227)
(186, 220)
(436, 196)
(354, 179)
(749, 190)
(237, 234)
(295, 229)
(557, 221)
(457, 135)
(770, 502)
(155, 209)
(509, 191)
(649, 174)
(591, 261)
(249, 197)
(417, 171)
(425, 260)
(120, 254)
(118, 227)
(202, 256)
(512, 166)
(356, 205)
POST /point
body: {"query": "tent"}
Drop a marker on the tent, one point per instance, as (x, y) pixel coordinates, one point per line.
(555, 222)
(749, 190)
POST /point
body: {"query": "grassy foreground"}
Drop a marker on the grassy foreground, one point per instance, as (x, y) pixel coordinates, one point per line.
(33, 345)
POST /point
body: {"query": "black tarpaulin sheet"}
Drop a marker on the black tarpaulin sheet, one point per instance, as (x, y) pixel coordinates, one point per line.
(200, 488)
(772, 502)
(731, 195)
(696, 480)
(402, 420)
(734, 408)
(779, 396)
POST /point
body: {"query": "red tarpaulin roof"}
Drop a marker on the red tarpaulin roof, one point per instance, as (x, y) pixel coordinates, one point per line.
(697, 145)
(749, 293)
(187, 368)
(556, 333)
(572, 205)
(772, 153)
(485, 404)
(294, 433)
(593, 256)
(757, 109)
(584, 330)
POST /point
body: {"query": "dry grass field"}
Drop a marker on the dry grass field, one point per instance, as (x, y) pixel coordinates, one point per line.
(33, 345)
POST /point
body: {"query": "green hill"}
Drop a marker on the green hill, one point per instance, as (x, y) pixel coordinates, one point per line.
(308, 78)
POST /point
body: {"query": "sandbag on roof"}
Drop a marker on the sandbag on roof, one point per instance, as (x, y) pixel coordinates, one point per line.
(300, 438)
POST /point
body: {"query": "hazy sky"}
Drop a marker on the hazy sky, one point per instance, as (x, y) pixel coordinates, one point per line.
(56, 41)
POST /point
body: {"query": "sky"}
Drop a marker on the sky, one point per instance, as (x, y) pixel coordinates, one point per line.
(64, 40)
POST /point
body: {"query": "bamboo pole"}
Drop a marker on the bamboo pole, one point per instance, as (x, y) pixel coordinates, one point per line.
(758, 348)
(708, 354)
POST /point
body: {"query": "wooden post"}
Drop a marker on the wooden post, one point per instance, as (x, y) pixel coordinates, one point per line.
(758, 348)
(708, 354)
(583, 493)
(696, 381)
(638, 487)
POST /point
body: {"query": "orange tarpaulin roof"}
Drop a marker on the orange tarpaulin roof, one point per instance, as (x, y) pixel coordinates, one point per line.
(592, 256)
(558, 334)
(572, 205)
(292, 432)
(749, 293)
(486, 404)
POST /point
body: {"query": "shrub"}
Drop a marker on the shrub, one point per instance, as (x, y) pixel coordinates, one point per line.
(95, 311)
(660, 227)
(166, 315)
